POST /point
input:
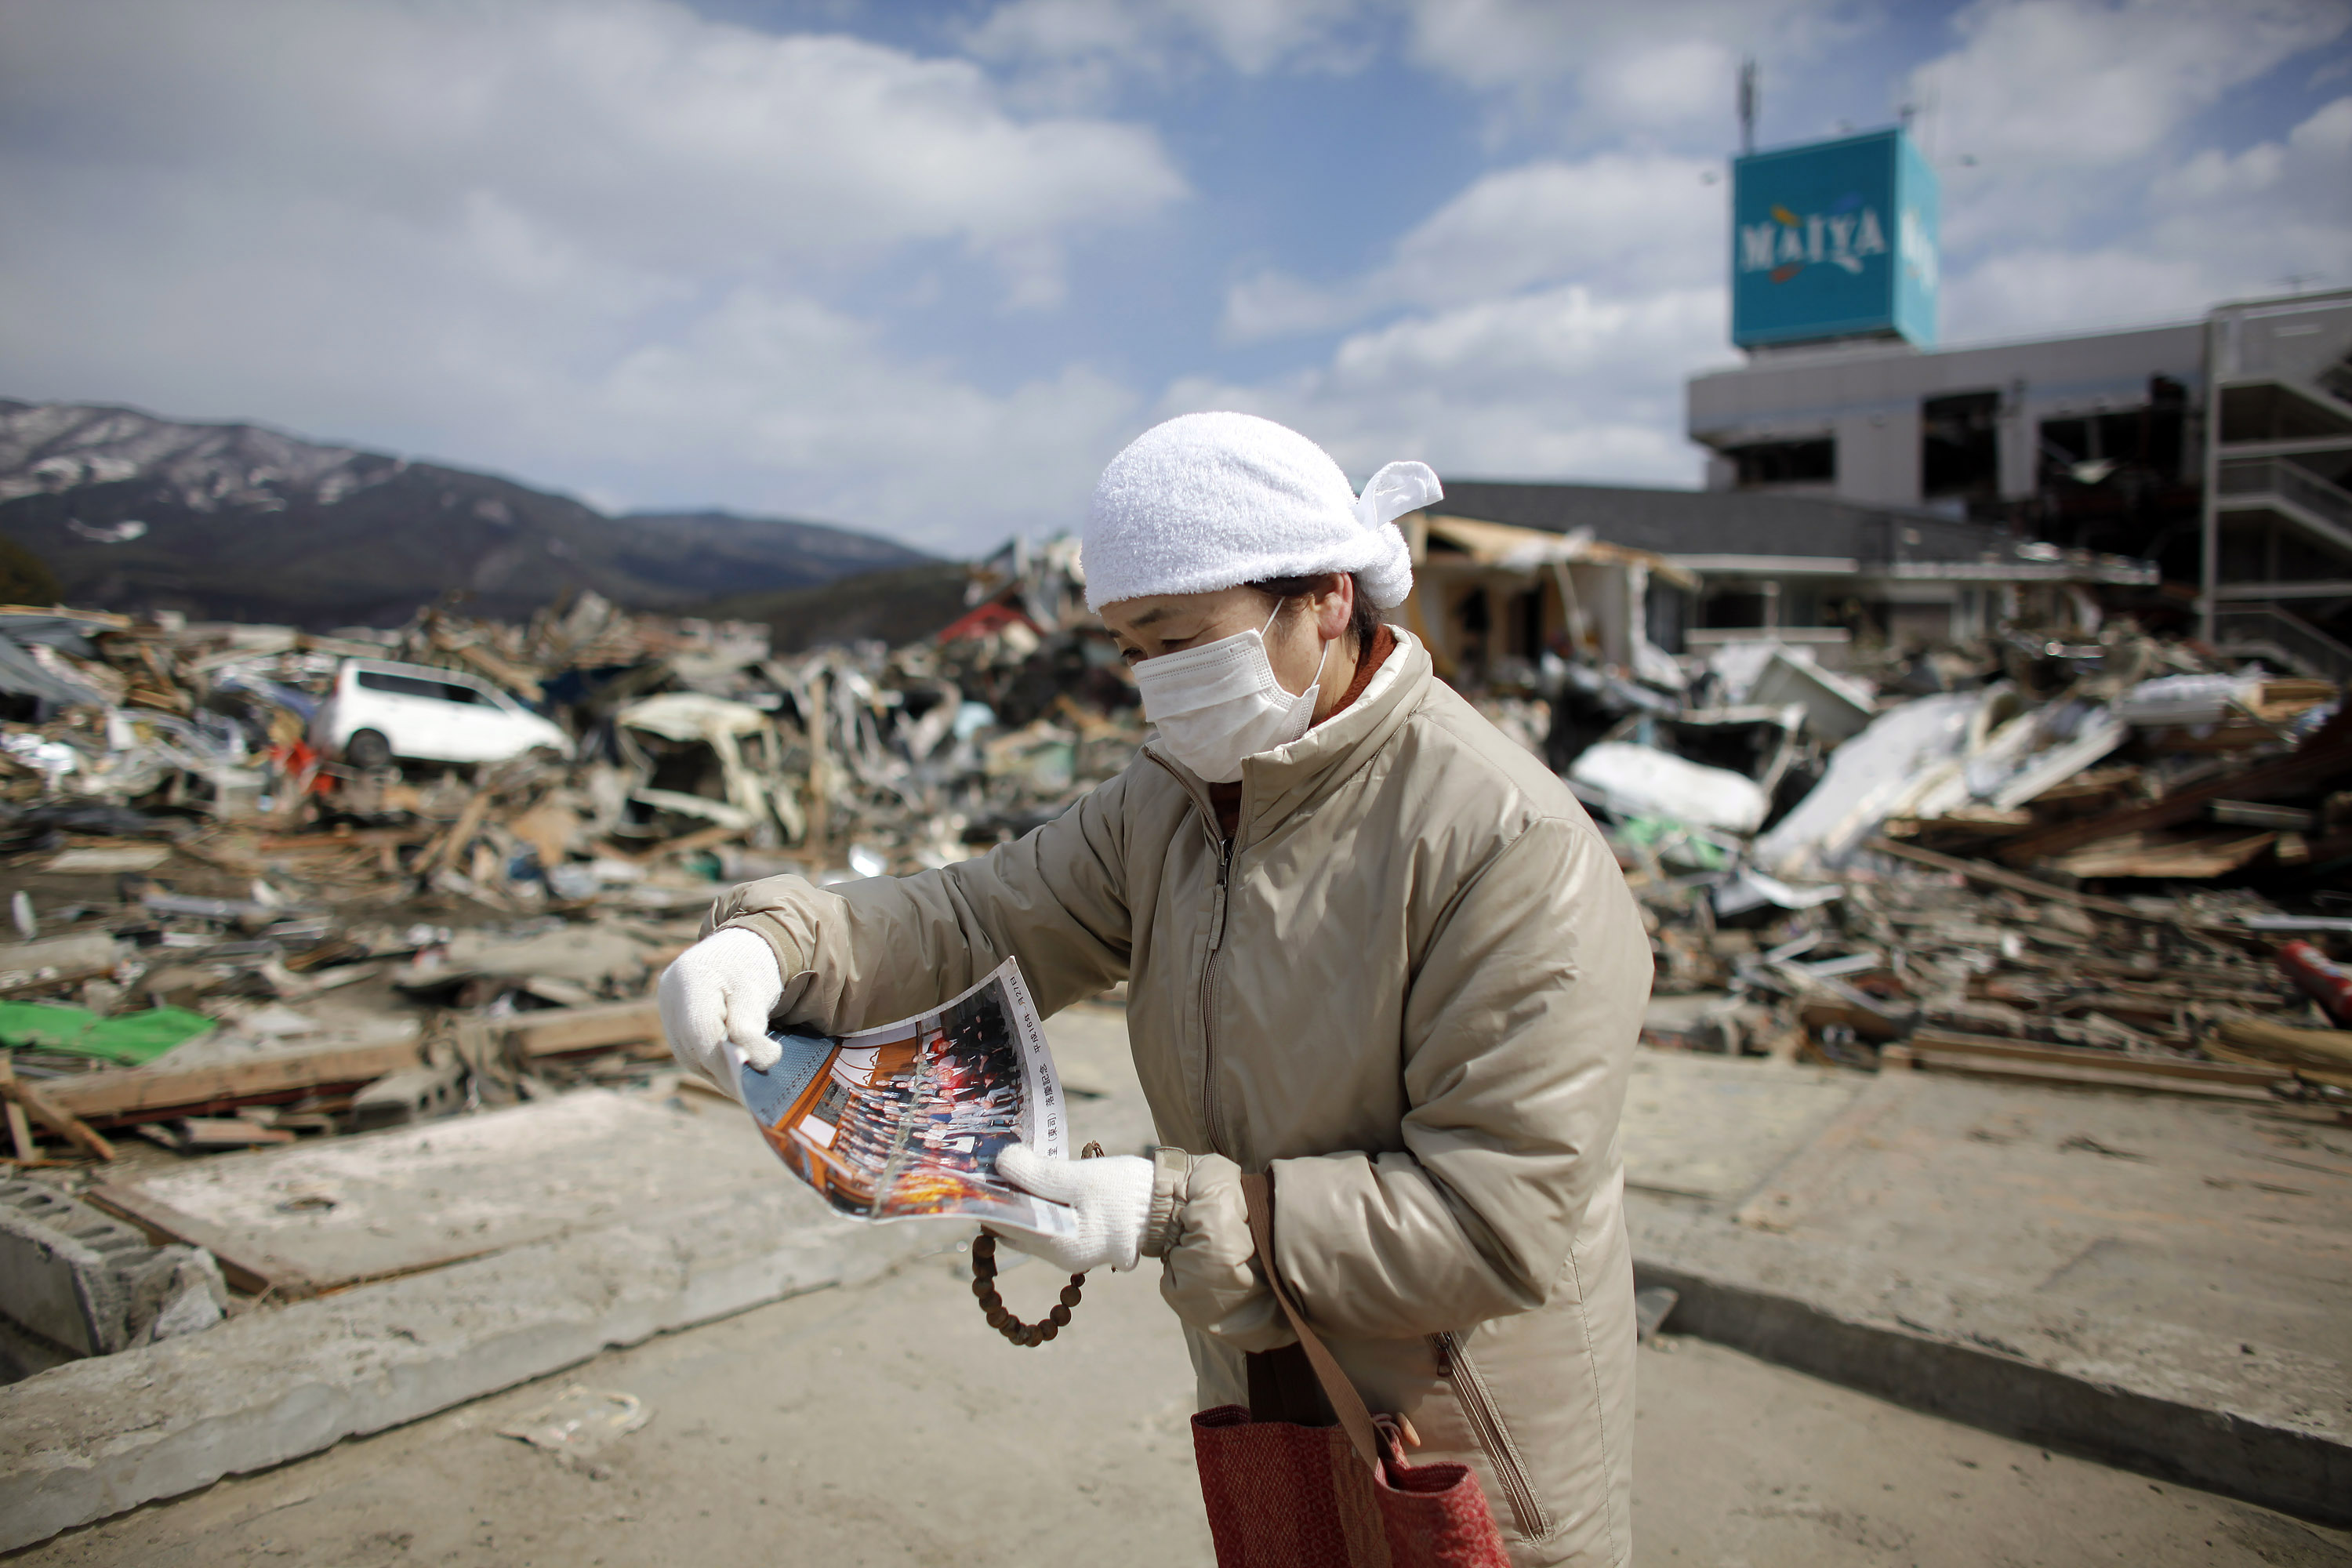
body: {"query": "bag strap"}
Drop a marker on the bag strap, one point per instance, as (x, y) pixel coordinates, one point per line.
(1355, 1416)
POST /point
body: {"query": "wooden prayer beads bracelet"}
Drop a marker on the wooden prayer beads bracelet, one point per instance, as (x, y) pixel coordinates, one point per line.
(983, 1286)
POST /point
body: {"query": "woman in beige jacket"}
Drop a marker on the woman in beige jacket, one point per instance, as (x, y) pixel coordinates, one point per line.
(1370, 946)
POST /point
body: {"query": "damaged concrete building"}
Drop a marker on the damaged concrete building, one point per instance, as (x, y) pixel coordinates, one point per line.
(1802, 571)
(2218, 449)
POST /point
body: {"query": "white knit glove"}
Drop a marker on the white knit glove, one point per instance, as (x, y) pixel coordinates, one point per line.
(1112, 1197)
(722, 988)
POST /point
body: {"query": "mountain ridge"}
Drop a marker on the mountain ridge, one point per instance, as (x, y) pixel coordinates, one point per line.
(235, 521)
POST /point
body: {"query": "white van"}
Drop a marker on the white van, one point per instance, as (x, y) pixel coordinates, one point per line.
(380, 711)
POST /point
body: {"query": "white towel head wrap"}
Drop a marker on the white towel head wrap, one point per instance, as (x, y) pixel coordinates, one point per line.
(1213, 501)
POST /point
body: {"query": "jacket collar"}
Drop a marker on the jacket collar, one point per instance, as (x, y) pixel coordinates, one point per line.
(1279, 784)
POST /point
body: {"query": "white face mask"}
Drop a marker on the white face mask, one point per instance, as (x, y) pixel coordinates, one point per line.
(1220, 702)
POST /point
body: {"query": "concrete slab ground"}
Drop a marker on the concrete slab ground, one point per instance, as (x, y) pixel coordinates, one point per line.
(411, 1198)
(2151, 1278)
(93, 1437)
(598, 1221)
(883, 1425)
(2158, 1280)
(1717, 1127)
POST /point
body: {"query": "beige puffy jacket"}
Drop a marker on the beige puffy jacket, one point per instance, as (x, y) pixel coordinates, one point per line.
(1410, 985)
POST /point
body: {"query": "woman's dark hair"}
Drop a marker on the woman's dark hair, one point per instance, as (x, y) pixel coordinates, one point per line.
(1363, 622)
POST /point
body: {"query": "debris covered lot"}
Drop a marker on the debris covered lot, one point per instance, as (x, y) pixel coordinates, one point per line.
(271, 890)
(270, 887)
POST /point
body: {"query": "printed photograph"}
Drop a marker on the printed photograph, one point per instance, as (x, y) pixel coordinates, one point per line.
(906, 1120)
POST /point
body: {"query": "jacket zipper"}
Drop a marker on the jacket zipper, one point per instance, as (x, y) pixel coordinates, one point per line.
(1208, 997)
(1225, 851)
(1470, 1390)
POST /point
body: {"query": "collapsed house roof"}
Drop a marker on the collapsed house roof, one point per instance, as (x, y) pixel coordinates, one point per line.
(1507, 547)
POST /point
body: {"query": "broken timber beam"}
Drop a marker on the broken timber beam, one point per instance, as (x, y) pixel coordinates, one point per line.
(2323, 758)
(1997, 877)
(64, 1123)
(140, 1094)
(56, 961)
(1978, 1055)
(442, 850)
(556, 1030)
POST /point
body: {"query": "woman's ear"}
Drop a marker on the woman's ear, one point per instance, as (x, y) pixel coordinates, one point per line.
(1334, 605)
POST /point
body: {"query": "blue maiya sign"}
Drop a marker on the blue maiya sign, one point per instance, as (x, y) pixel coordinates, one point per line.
(1833, 240)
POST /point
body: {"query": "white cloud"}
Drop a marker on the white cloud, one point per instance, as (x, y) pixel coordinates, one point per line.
(1089, 43)
(663, 135)
(1617, 220)
(1543, 321)
(598, 241)
(614, 245)
(2053, 84)
(1558, 382)
(1658, 67)
(813, 404)
(2027, 291)
(2216, 227)
(2074, 111)
(2098, 197)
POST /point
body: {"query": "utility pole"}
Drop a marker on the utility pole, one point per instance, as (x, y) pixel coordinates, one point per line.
(1750, 97)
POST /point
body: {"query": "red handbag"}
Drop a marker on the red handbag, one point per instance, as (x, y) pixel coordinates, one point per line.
(1283, 1495)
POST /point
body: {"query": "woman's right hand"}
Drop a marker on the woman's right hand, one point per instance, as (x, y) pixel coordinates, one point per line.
(725, 987)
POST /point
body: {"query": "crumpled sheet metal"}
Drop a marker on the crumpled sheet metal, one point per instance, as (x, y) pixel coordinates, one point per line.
(1870, 777)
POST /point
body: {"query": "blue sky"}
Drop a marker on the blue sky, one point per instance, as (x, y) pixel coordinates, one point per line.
(923, 268)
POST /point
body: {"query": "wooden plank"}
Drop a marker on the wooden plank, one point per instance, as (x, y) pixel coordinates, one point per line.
(56, 961)
(444, 850)
(2288, 1042)
(2033, 1051)
(230, 1132)
(328, 842)
(62, 1123)
(1871, 1025)
(2221, 1045)
(255, 1274)
(2322, 759)
(1997, 877)
(20, 1130)
(561, 1029)
(1980, 1063)
(139, 1093)
(2192, 859)
(1978, 1066)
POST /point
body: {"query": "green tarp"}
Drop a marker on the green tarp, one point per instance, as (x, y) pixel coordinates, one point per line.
(132, 1039)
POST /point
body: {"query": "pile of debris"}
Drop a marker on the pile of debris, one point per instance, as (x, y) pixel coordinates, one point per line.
(272, 887)
(2097, 860)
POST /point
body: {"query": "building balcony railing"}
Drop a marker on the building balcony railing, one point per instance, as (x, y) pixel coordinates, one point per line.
(2260, 477)
(2284, 637)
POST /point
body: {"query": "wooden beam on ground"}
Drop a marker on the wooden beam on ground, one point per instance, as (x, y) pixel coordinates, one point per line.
(1979, 1057)
(62, 1123)
(1999, 877)
(144, 1094)
(444, 850)
(20, 1130)
(558, 1030)
(2323, 759)
(56, 961)
(230, 1132)
(2322, 1055)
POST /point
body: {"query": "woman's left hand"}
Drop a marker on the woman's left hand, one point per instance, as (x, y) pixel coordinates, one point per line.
(1111, 1197)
